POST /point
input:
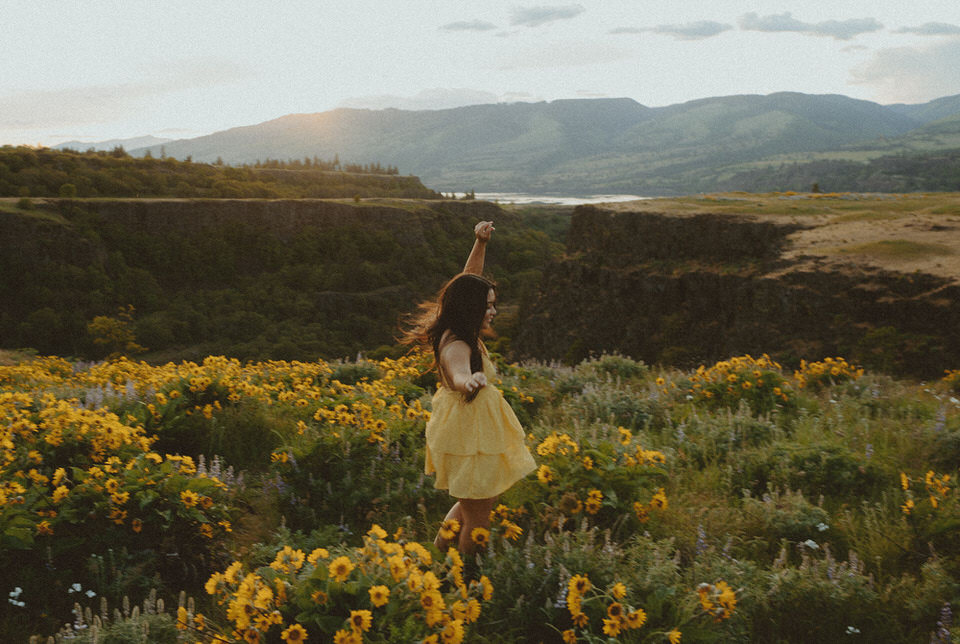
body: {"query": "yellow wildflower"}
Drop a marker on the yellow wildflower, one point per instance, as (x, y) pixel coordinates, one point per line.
(340, 568)
(511, 530)
(319, 553)
(611, 627)
(487, 588)
(545, 474)
(296, 633)
(480, 536)
(452, 633)
(636, 619)
(183, 620)
(379, 595)
(361, 620)
(449, 529)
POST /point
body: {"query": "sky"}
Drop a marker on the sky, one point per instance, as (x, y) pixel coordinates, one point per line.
(109, 69)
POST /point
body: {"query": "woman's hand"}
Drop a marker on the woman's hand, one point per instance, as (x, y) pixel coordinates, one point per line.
(476, 381)
(483, 231)
(455, 360)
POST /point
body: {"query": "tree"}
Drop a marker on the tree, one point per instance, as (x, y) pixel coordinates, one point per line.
(115, 334)
(68, 191)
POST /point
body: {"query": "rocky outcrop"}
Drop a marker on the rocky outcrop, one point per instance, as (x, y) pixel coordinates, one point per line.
(688, 289)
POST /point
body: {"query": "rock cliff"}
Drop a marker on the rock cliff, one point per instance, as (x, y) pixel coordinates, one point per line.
(688, 287)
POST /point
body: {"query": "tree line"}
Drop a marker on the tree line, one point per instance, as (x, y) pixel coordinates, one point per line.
(44, 172)
(290, 282)
(928, 172)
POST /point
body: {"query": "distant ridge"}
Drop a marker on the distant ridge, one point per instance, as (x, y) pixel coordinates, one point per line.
(581, 146)
(127, 144)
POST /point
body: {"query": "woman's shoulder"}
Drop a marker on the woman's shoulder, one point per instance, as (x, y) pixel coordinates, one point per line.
(448, 338)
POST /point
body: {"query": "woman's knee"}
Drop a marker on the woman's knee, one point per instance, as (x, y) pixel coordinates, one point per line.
(477, 509)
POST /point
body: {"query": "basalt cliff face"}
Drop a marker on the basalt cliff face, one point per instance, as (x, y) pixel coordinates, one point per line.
(683, 289)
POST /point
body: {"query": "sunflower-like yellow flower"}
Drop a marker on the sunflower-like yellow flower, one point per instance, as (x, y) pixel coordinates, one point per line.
(611, 627)
(361, 620)
(452, 633)
(545, 474)
(636, 618)
(473, 611)
(347, 637)
(579, 584)
(432, 600)
(189, 498)
(316, 555)
(288, 560)
(449, 529)
(480, 536)
(340, 568)
(487, 588)
(379, 595)
(60, 493)
(511, 530)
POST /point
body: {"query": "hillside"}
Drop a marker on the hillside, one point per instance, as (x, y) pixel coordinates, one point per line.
(43, 172)
(594, 145)
(689, 280)
(291, 279)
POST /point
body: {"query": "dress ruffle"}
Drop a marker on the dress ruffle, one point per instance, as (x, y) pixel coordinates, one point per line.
(476, 449)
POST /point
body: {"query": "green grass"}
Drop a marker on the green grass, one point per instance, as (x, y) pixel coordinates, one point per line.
(897, 249)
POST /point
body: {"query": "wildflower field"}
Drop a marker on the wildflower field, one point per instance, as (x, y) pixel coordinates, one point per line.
(285, 502)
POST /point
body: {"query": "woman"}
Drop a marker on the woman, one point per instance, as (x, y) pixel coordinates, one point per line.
(475, 443)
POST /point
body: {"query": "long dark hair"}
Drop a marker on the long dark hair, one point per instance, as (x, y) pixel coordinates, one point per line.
(459, 307)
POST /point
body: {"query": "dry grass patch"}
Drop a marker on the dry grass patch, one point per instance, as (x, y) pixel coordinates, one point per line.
(897, 249)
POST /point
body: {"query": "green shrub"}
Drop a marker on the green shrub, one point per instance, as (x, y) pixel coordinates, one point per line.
(830, 470)
(785, 515)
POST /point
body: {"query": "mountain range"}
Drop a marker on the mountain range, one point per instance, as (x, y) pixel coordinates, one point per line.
(130, 144)
(580, 146)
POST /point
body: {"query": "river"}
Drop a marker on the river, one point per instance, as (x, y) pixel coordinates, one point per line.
(562, 200)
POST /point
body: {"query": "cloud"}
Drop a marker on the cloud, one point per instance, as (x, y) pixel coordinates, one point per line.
(428, 99)
(94, 104)
(912, 75)
(839, 29)
(692, 30)
(931, 29)
(626, 30)
(469, 25)
(543, 14)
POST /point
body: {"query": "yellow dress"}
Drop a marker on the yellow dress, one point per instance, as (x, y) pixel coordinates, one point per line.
(476, 448)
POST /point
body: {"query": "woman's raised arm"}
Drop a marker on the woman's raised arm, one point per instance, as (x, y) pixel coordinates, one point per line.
(482, 231)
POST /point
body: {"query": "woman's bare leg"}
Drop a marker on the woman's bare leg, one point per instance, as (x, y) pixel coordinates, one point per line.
(454, 513)
(476, 514)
